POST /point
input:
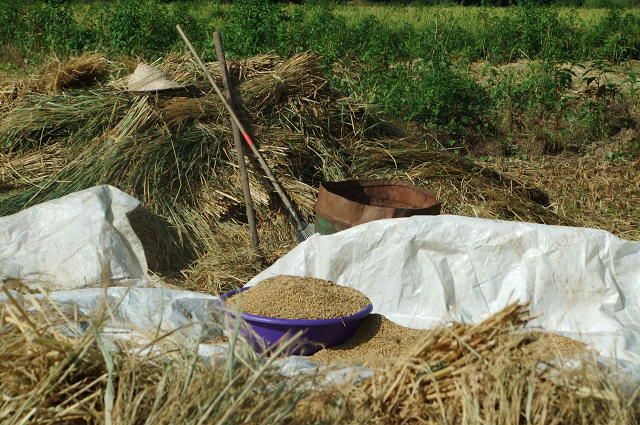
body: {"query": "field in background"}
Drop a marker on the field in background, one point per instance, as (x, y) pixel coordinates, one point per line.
(146, 28)
(411, 61)
(421, 15)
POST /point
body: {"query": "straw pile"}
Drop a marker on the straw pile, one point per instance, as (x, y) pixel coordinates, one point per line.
(485, 373)
(57, 368)
(52, 373)
(82, 71)
(175, 153)
(56, 76)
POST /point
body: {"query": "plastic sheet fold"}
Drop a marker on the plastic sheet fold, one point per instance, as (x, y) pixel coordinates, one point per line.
(426, 270)
(76, 241)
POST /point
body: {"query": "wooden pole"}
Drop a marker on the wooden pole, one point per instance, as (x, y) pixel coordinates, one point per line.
(304, 229)
(244, 178)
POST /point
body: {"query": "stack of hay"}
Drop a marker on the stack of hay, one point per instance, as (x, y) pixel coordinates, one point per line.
(478, 374)
(175, 153)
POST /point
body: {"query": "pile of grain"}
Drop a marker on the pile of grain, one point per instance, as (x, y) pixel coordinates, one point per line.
(380, 342)
(377, 342)
(293, 297)
(548, 346)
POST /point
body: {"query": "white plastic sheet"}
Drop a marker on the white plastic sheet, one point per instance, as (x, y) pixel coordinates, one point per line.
(421, 271)
(69, 242)
(141, 315)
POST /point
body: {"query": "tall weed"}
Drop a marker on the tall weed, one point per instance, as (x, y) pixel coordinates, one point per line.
(431, 93)
(528, 32)
(616, 37)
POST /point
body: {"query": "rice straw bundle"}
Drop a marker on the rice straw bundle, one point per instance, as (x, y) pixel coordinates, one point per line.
(298, 76)
(175, 153)
(82, 71)
(231, 261)
(487, 372)
(177, 111)
(245, 69)
(18, 171)
(183, 70)
(38, 119)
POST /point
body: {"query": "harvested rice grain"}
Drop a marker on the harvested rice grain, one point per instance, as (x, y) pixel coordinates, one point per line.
(294, 297)
(549, 346)
(377, 342)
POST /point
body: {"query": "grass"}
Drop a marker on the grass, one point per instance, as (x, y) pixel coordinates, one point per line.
(417, 15)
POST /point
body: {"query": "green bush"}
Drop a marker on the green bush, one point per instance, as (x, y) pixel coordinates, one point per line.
(431, 93)
(616, 37)
(252, 27)
(138, 27)
(529, 31)
(319, 30)
(145, 27)
(45, 28)
(443, 42)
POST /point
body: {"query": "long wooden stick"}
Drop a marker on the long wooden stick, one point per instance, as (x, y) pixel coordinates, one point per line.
(244, 178)
(245, 135)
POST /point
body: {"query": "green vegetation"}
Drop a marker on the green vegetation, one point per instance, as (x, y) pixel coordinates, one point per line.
(414, 62)
(146, 28)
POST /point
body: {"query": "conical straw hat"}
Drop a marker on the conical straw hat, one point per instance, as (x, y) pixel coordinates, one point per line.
(149, 78)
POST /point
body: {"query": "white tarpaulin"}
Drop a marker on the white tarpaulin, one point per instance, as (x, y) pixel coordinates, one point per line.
(417, 271)
(70, 242)
(421, 271)
(182, 318)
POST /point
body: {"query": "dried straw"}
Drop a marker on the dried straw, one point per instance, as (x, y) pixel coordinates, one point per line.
(592, 190)
(299, 76)
(19, 171)
(53, 373)
(231, 261)
(82, 71)
(486, 373)
(175, 154)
